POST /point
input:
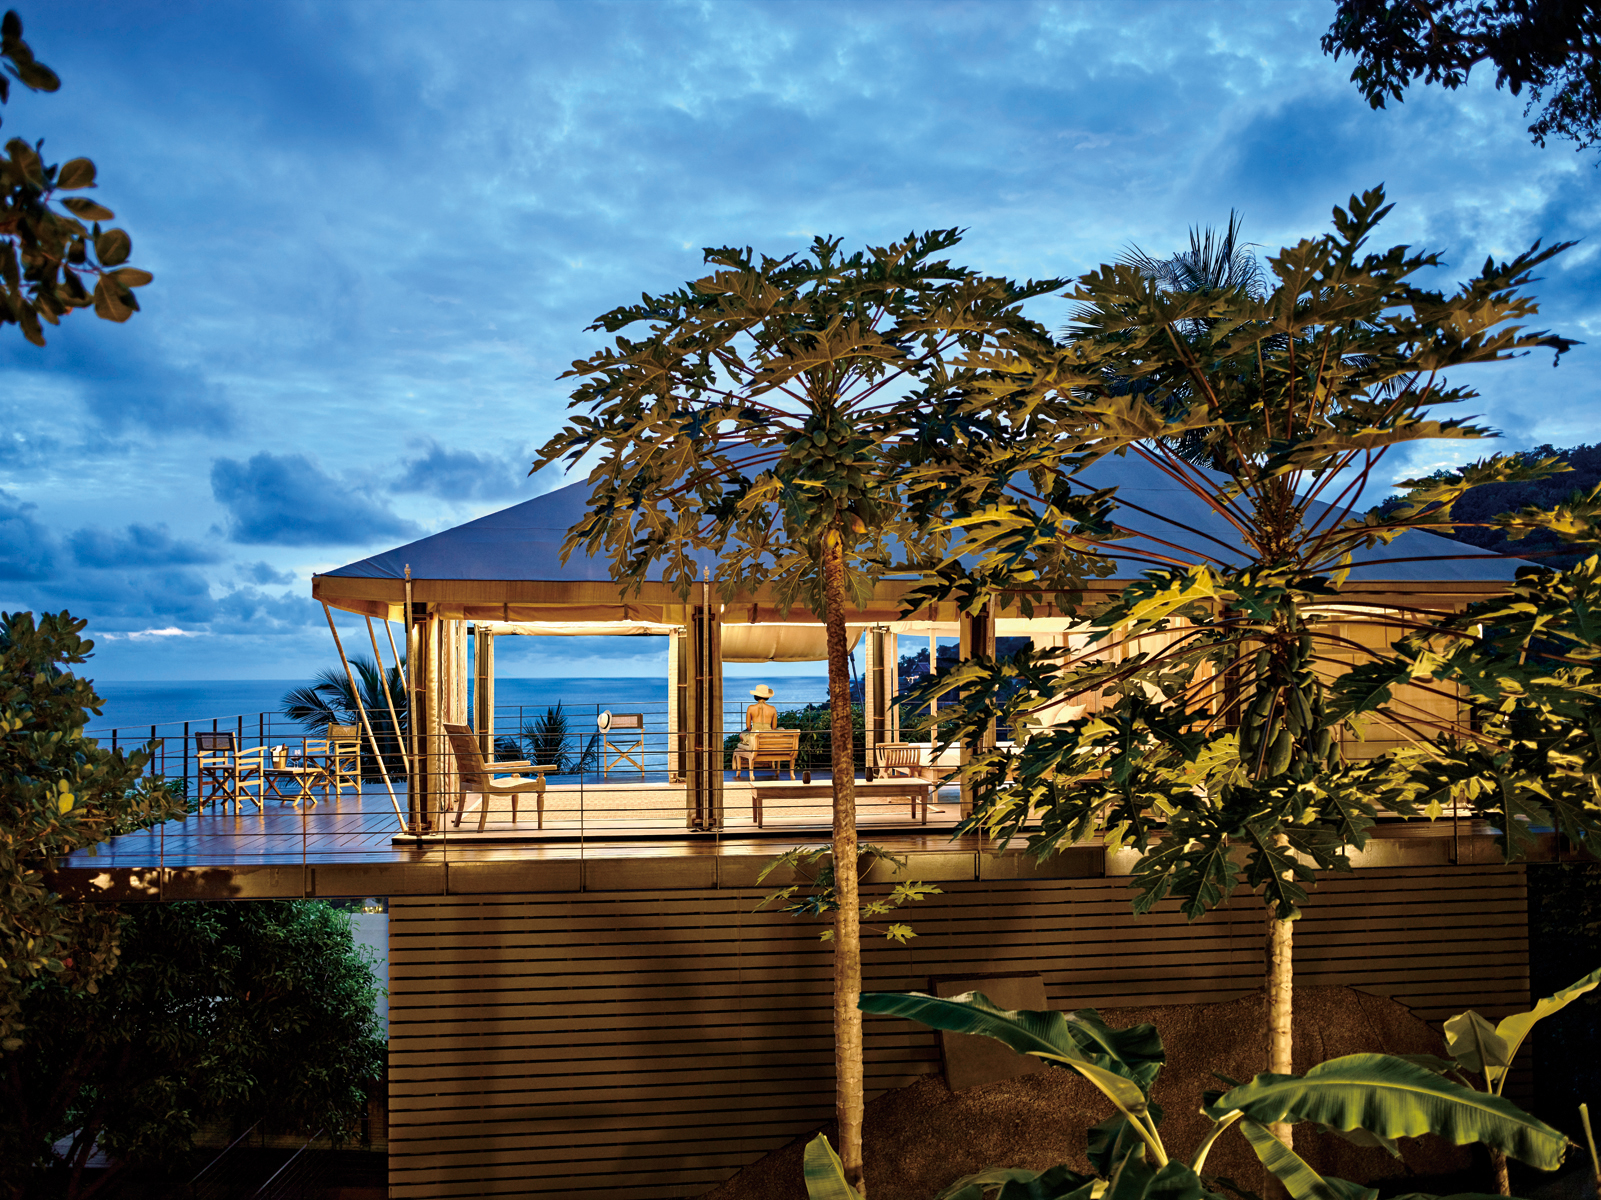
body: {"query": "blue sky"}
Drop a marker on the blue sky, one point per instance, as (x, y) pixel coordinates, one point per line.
(379, 230)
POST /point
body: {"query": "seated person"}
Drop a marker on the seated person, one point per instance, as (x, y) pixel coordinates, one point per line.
(758, 716)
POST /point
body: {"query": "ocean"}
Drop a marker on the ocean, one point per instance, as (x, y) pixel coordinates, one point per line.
(133, 706)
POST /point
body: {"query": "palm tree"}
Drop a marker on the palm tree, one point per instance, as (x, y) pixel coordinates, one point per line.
(330, 701)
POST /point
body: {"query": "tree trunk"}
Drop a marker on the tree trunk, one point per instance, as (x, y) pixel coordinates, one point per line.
(1280, 1009)
(1503, 1182)
(848, 1087)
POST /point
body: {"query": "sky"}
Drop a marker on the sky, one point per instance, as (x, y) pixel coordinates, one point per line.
(379, 230)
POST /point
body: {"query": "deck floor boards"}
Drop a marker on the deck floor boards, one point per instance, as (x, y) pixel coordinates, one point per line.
(610, 819)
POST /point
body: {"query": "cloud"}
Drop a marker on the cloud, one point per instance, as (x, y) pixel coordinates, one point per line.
(287, 500)
(27, 549)
(136, 546)
(264, 572)
(461, 474)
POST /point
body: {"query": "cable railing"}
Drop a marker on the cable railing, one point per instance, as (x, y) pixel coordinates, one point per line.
(572, 778)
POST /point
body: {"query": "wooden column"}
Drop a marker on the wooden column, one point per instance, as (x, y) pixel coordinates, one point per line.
(421, 655)
(977, 633)
(703, 724)
(677, 700)
(484, 691)
(878, 683)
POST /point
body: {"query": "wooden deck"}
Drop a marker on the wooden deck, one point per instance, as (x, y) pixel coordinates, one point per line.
(606, 819)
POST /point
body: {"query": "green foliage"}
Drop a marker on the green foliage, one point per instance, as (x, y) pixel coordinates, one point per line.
(1527, 662)
(1549, 48)
(331, 701)
(1374, 1096)
(1576, 471)
(59, 792)
(217, 1012)
(815, 895)
(1478, 1047)
(1222, 729)
(47, 253)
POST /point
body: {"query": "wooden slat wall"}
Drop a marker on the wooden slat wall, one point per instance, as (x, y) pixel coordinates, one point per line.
(637, 1045)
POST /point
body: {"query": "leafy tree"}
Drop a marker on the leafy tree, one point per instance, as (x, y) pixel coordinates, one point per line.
(46, 253)
(330, 700)
(1547, 46)
(1222, 734)
(218, 1012)
(762, 414)
(59, 792)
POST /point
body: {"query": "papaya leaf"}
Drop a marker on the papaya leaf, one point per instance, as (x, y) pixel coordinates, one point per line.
(825, 1174)
(1393, 1098)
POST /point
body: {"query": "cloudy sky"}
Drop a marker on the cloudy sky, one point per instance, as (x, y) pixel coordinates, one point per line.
(378, 231)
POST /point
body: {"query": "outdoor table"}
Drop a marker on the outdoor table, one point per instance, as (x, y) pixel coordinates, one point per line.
(914, 790)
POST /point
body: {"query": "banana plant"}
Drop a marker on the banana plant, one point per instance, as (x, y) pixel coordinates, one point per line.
(1478, 1048)
(1374, 1098)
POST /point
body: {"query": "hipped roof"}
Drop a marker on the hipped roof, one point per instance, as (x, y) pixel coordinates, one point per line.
(512, 558)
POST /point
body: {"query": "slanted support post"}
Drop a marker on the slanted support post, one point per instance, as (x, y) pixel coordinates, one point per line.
(977, 637)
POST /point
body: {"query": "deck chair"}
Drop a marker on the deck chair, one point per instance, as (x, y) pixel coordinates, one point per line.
(224, 773)
(476, 776)
(344, 759)
(774, 748)
(614, 755)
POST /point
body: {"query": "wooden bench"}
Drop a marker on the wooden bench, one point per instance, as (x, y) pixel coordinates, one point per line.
(917, 791)
(773, 747)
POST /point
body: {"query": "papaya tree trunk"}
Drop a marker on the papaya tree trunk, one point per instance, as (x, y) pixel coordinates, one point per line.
(1280, 1009)
(848, 1086)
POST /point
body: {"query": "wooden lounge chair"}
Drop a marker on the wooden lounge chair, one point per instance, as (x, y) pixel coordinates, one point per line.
(773, 747)
(477, 776)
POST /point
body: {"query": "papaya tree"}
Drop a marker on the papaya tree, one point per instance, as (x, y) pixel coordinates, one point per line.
(760, 414)
(1219, 750)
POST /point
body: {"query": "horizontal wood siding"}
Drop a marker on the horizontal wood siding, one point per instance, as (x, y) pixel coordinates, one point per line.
(631, 1045)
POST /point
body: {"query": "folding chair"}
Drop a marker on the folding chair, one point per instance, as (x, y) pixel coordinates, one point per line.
(225, 773)
(344, 759)
(613, 755)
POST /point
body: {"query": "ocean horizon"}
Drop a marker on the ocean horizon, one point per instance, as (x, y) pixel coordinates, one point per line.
(133, 706)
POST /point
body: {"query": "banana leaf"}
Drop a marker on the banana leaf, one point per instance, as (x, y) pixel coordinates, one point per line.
(1516, 1027)
(1019, 1183)
(1290, 1169)
(1137, 1179)
(825, 1174)
(1121, 1062)
(1393, 1098)
(1476, 1045)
